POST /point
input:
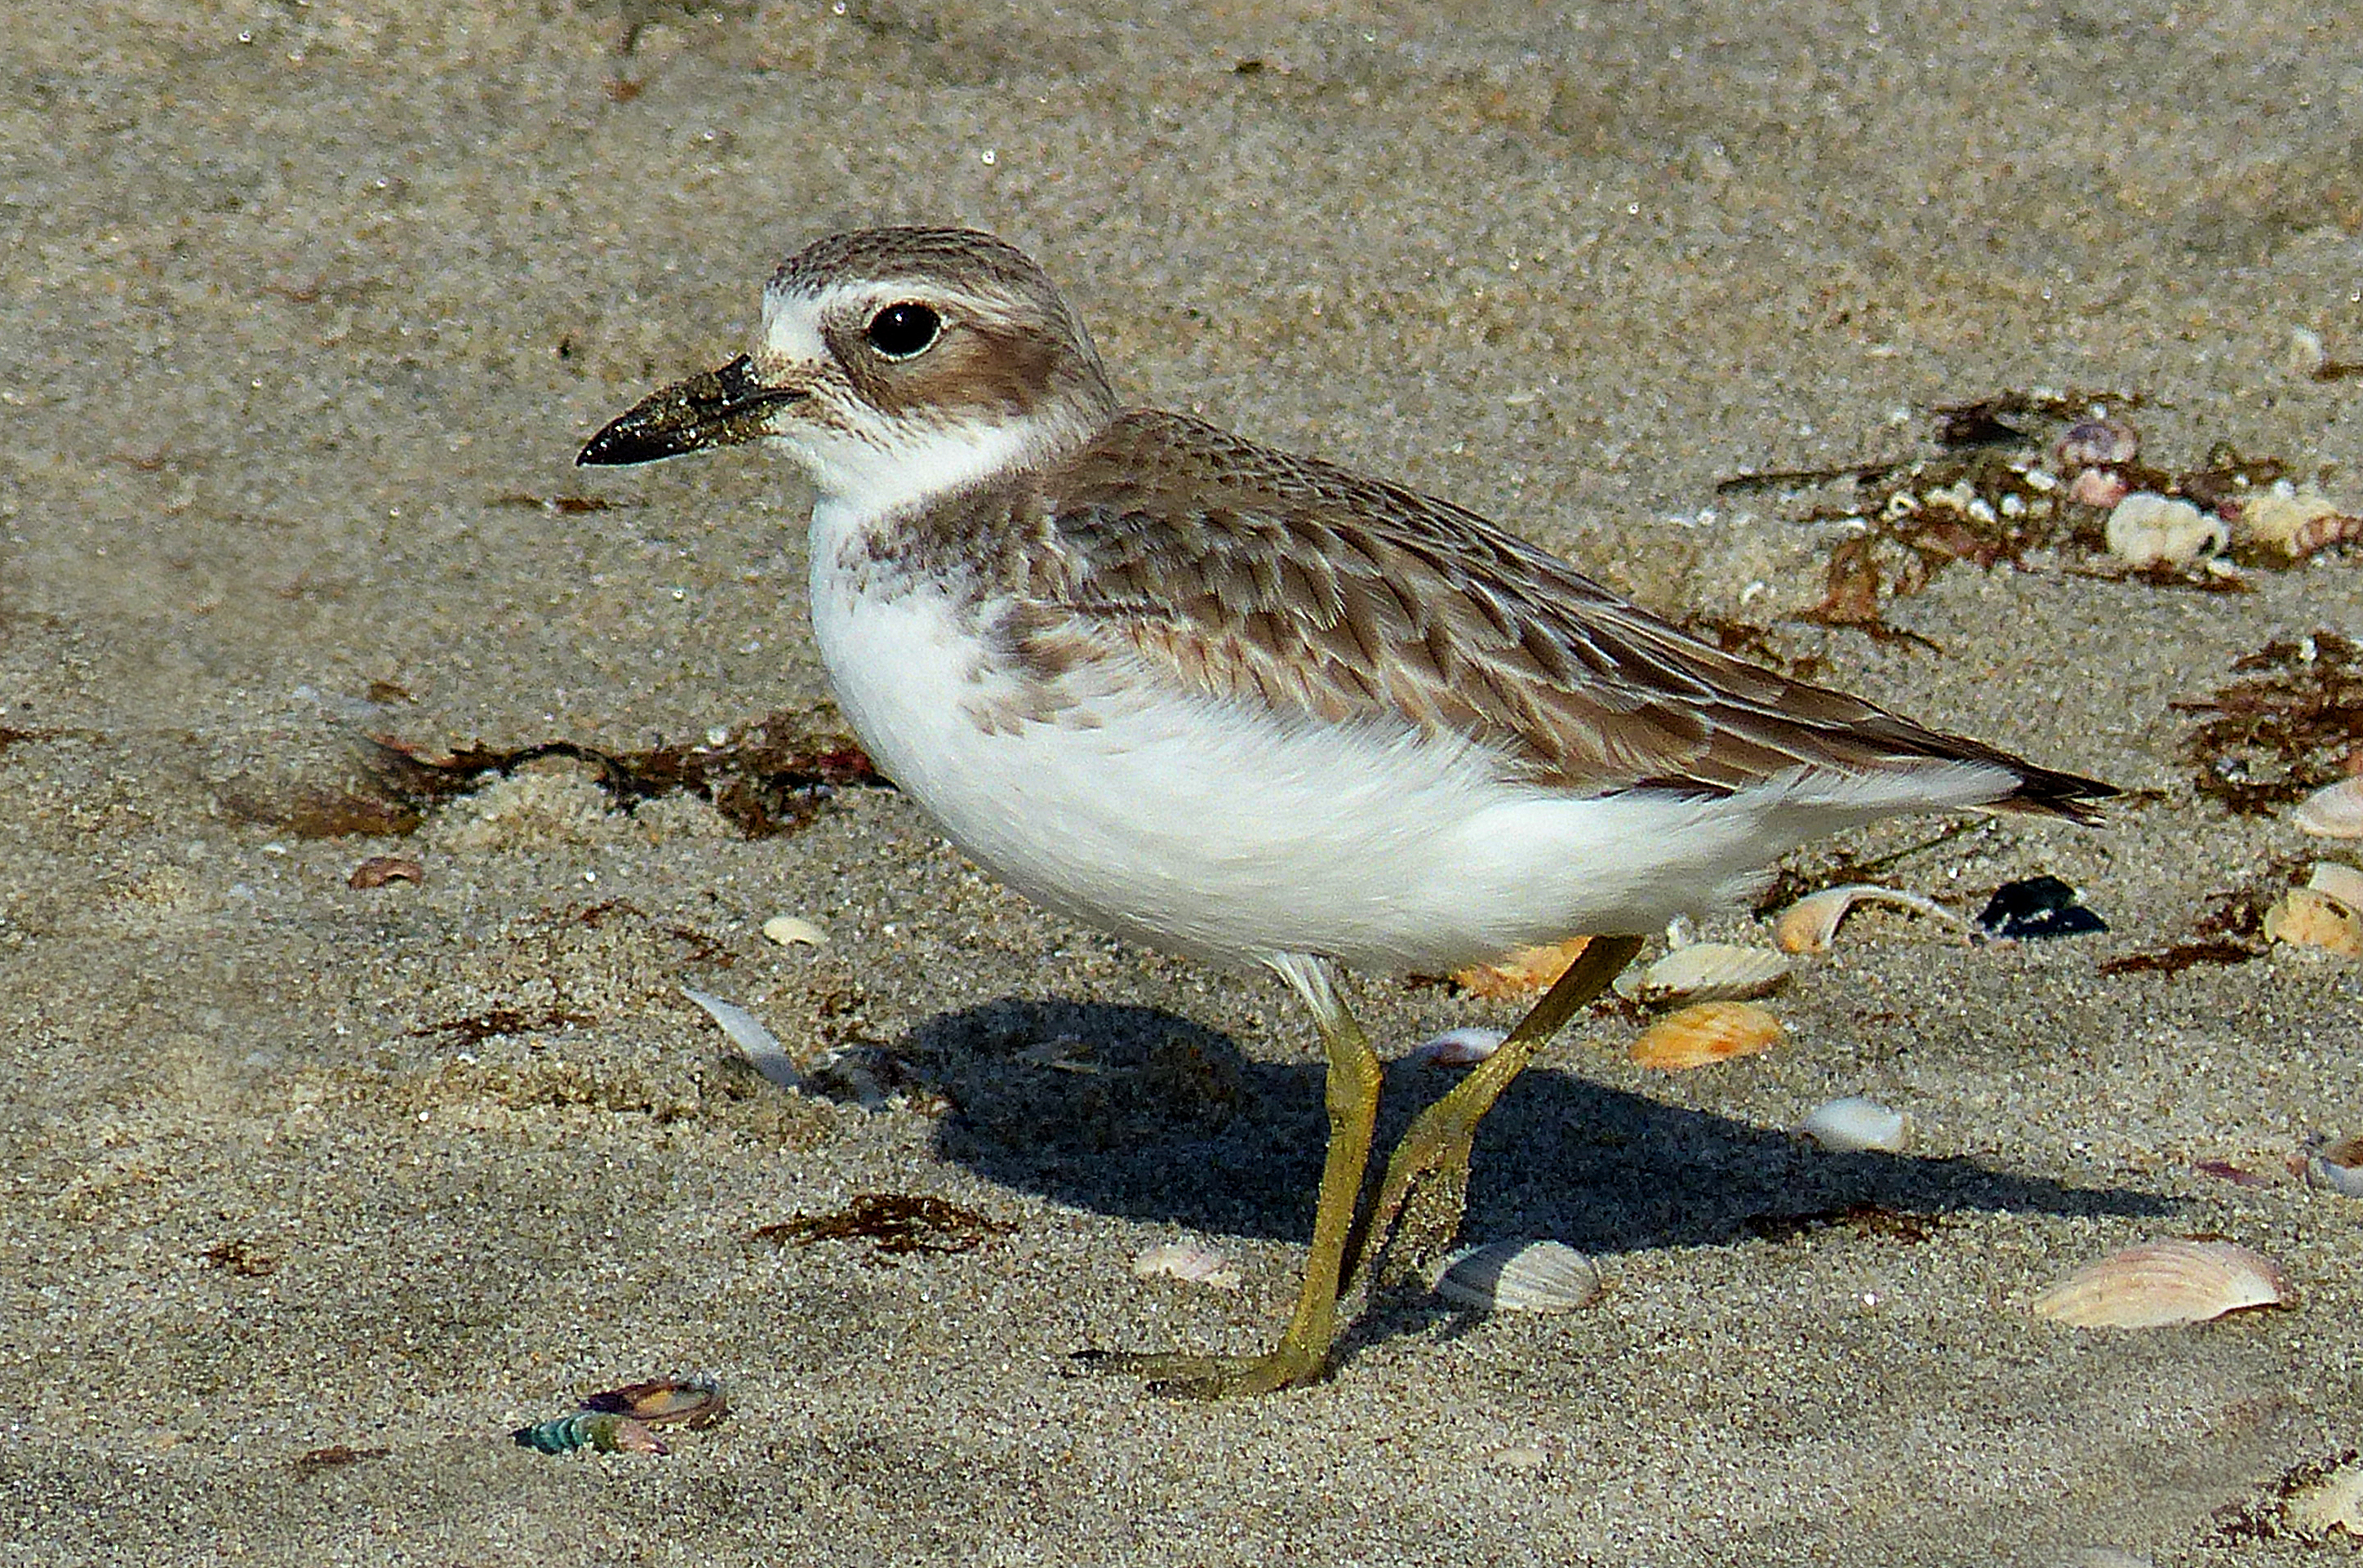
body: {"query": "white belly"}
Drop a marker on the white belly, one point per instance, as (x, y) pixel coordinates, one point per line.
(1209, 828)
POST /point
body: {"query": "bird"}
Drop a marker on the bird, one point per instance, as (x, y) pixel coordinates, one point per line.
(1260, 710)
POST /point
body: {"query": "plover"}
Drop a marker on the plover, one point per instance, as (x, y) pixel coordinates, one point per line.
(1258, 709)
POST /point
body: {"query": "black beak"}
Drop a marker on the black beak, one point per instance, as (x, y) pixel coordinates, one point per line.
(714, 408)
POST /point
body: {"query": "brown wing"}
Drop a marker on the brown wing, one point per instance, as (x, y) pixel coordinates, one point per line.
(1255, 573)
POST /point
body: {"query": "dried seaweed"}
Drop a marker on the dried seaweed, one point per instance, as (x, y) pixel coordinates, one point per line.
(2231, 931)
(2293, 726)
(495, 1021)
(894, 1224)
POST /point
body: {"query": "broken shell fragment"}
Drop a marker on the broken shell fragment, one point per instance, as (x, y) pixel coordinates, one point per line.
(1463, 1047)
(1855, 1124)
(1810, 924)
(2159, 1284)
(2329, 1500)
(794, 930)
(1190, 1263)
(2333, 811)
(380, 869)
(2341, 882)
(2307, 916)
(2150, 529)
(1705, 972)
(1520, 1276)
(1710, 1032)
(2099, 487)
(760, 1045)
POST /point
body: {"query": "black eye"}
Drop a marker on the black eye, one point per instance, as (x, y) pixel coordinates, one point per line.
(902, 330)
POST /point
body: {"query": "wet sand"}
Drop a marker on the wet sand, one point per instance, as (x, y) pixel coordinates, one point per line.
(311, 307)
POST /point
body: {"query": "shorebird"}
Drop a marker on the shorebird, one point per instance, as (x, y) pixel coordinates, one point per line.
(1257, 709)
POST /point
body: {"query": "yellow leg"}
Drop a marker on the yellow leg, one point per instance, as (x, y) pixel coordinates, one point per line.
(1427, 1184)
(1301, 1356)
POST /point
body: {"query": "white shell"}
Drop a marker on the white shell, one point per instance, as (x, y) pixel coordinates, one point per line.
(760, 1046)
(2159, 1284)
(1189, 1263)
(794, 930)
(1705, 972)
(1809, 924)
(2307, 916)
(2285, 518)
(1520, 1276)
(2150, 529)
(2333, 811)
(1853, 1124)
(1459, 1047)
(2337, 1166)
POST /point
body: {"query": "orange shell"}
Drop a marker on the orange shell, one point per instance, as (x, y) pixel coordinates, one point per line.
(1712, 1031)
(1523, 972)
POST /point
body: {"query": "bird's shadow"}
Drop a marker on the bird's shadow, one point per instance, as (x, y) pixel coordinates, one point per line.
(1135, 1112)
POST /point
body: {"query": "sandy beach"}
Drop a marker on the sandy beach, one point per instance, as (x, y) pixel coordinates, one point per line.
(317, 1192)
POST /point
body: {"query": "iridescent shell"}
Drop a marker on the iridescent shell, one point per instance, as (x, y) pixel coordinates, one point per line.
(695, 1403)
(1705, 972)
(602, 1432)
(1855, 1124)
(2159, 1284)
(2333, 811)
(1520, 1276)
(2307, 916)
(1810, 924)
(1710, 1032)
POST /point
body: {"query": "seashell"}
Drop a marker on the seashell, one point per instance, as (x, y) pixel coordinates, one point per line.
(602, 1432)
(2294, 523)
(1855, 1124)
(1519, 1276)
(1712, 1031)
(2307, 916)
(695, 1403)
(2329, 1501)
(1705, 972)
(2095, 443)
(760, 1045)
(379, 870)
(794, 930)
(1188, 1262)
(2159, 1284)
(1809, 924)
(1459, 1047)
(2338, 881)
(2337, 1166)
(2099, 488)
(2308, 356)
(1521, 973)
(2150, 529)
(2333, 811)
